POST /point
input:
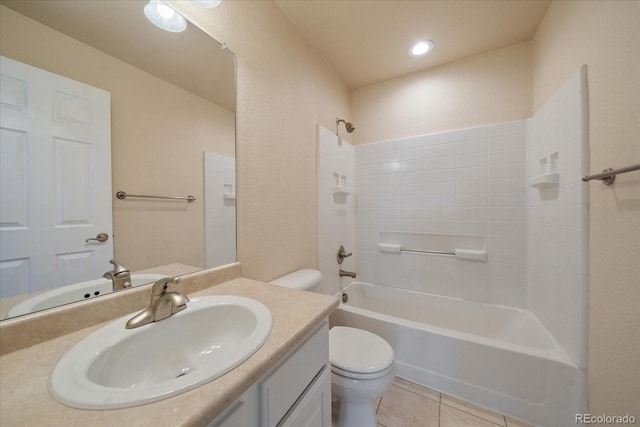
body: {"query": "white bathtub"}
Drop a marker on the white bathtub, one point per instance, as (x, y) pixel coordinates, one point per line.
(498, 357)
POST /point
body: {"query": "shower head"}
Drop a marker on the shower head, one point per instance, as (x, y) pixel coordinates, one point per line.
(348, 125)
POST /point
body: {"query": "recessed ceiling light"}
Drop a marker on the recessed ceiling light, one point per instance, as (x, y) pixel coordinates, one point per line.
(207, 3)
(421, 48)
(164, 17)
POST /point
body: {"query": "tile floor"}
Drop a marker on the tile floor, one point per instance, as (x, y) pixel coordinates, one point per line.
(410, 405)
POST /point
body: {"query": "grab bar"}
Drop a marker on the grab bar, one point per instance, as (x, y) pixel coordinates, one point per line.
(428, 252)
(122, 195)
(394, 248)
(466, 254)
(608, 176)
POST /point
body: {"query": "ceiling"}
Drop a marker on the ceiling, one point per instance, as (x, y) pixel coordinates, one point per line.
(366, 41)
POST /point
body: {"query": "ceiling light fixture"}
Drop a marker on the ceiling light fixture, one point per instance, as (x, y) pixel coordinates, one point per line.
(164, 16)
(209, 4)
(421, 48)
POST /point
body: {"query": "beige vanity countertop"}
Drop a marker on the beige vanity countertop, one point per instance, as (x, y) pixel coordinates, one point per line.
(24, 374)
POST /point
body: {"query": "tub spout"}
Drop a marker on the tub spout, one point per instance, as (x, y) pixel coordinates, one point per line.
(344, 273)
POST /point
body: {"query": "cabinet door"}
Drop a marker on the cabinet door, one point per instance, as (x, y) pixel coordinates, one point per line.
(242, 413)
(314, 408)
(283, 388)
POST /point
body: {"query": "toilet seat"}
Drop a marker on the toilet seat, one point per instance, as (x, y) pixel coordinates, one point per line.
(359, 354)
(361, 376)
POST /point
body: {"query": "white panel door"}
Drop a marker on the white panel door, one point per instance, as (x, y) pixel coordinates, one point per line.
(55, 179)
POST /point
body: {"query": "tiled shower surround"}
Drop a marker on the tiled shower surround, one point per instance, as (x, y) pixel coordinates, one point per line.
(482, 181)
(469, 182)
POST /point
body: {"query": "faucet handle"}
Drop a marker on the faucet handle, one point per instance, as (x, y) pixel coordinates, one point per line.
(160, 287)
(342, 254)
(118, 268)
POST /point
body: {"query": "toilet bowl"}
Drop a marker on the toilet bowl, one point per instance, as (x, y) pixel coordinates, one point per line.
(362, 370)
(362, 363)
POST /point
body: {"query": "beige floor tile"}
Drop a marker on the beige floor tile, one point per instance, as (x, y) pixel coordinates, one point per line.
(452, 417)
(403, 408)
(512, 422)
(418, 389)
(472, 409)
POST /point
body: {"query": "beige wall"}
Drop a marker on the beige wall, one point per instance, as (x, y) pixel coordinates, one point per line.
(490, 88)
(159, 132)
(284, 90)
(606, 36)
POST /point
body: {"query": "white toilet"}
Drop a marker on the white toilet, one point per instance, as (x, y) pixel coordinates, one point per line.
(362, 370)
(362, 363)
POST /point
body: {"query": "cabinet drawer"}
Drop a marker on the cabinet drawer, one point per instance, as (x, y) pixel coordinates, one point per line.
(284, 387)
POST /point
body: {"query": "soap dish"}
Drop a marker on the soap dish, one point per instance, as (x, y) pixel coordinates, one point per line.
(544, 180)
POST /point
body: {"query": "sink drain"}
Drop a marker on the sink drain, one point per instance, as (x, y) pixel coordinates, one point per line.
(184, 372)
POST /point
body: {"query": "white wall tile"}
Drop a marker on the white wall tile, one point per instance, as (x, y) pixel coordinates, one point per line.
(444, 188)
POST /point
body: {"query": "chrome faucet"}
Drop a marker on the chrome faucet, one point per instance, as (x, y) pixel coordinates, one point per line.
(344, 273)
(163, 304)
(119, 276)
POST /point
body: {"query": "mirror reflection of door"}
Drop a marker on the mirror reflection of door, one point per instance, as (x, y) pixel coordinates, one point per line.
(55, 183)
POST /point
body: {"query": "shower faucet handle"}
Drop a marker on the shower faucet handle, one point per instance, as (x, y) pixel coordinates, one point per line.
(342, 254)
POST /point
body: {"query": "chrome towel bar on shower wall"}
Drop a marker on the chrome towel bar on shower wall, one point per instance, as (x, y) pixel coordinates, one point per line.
(608, 176)
(122, 195)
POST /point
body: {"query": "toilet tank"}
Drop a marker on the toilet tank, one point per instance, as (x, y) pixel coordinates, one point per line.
(305, 280)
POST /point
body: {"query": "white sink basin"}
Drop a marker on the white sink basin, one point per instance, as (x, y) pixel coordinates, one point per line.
(117, 368)
(76, 292)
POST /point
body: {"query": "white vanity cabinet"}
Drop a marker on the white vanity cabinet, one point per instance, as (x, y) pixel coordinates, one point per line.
(295, 393)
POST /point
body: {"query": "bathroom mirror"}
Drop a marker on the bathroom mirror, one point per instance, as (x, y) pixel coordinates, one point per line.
(171, 100)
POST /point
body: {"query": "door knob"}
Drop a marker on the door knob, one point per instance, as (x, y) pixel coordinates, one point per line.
(101, 237)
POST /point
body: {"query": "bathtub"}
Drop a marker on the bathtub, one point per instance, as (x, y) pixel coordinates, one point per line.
(498, 357)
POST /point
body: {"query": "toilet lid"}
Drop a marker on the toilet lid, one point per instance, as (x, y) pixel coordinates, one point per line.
(358, 351)
(304, 279)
